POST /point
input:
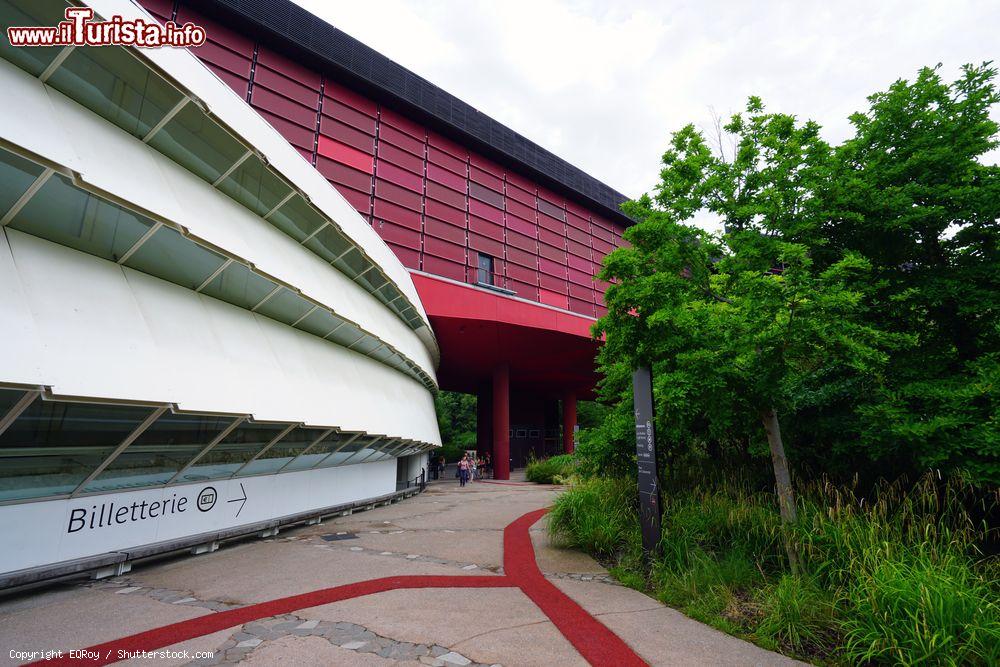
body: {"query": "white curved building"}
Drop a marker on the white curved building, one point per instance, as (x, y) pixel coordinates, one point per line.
(200, 337)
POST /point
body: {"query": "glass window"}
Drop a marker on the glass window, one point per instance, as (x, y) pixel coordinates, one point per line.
(352, 263)
(293, 444)
(285, 306)
(319, 452)
(117, 86)
(171, 256)
(347, 451)
(240, 286)
(233, 451)
(16, 176)
(297, 219)
(164, 448)
(255, 186)
(328, 243)
(369, 444)
(372, 280)
(319, 322)
(30, 13)
(346, 335)
(366, 345)
(63, 213)
(8, 398)
(54, 445)
(485, 269)
(198, 143)
(387, 292)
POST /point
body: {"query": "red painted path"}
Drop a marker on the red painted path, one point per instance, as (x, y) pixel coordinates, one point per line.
(594, 641)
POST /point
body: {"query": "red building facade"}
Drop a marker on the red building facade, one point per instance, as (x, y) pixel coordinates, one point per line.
(503, 254)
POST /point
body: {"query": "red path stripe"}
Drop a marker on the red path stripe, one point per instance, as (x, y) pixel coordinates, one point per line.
(594, 641)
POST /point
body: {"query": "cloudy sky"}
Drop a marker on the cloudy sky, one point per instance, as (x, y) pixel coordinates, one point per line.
(603, 83)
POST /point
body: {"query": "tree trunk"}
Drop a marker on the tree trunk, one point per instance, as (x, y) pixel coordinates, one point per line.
(783, 483)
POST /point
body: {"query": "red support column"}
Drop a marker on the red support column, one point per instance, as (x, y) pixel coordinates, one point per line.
(484, 420)
(501, 422)
(569, 421)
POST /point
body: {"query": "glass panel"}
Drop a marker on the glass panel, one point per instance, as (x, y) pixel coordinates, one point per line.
(348, 451)
(328, 243)
(16, 176)
(168, 255)
(368, 446)
(69, 216)
(117, 86)
(366, 345)
(255, 186)
(372, 280)
(235, 449)
(284, 451)
(285, 306)
(297, 218)
(30, 13)
(319, 322)
(352, 263)
(8, 397)
(53, 445)
(320, 451)
(162, 449)
(240, 286)
(198, 143)
(387, 292)
(346, 334)
(383, 353)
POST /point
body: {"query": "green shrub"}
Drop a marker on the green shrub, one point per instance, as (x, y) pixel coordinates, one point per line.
(598, 516)
(553, 470)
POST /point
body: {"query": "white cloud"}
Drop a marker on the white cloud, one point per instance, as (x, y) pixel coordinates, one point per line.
(603, 84)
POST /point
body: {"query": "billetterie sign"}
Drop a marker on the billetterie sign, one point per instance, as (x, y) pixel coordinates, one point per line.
(109, 513)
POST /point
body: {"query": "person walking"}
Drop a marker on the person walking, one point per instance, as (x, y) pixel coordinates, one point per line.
(463, 470)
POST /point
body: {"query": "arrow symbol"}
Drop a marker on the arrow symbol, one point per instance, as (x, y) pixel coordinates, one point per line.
(242, 501)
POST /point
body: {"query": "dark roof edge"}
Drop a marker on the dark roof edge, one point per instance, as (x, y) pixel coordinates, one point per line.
(287, 27)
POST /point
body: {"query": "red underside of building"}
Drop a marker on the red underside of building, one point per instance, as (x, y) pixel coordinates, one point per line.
(504, 265)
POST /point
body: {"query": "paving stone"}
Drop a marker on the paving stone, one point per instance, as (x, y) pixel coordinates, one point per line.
(130, 589)
(250, 643)
(433, 662)
(453, 658)
(470, 567)
(184, 601)
(438, 651)
(353, 646)
(308, 625)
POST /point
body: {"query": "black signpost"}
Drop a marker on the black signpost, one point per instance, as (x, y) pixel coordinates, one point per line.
(645, 449)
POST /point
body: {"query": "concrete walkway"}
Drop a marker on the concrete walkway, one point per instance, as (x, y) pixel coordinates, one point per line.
(421, 582)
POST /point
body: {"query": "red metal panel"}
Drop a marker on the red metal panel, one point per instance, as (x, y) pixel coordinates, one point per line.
(288, 68)
(522, 274)
(581, 292)
(401, 177)
(582, 307)
(577, 235)
(400, 235)
(401, 158)
(345, 154)
(485, 211)
(396, 194)
(579, 263)
(344, 175)
(217, 32)
(224, 58)
(552, 299)
(578, 222)
(578, 249)
(482, 164)
(520, 240)
(600, 246)
(445, 194)
(306, 155)
(602, 234)
(403, 124)
(516, 179)
(553, 283)
(238, 84)
(523, 290)
(443, 230)
(526, 197)
(486, 228)
(361, 201)
(489, 246)
(552, 238)
(522, 257)
(401, 139)
(581, 278)
(409, 257)
(551, 268)
(447, 145)
(332, 90)
(349, 116)
(552, 224)
(486, 178)
(577, 210)
(162, 9)
(553, 254)
(294, 134)
(601, 310)
(397, 214)
(443, 267)
(524, 227)
(441, 175)
(446, 160)
(284, 108)
(446, 213)
(287, 87)
(551, 209)
(347, 135)
(483, 193)
(519, 209)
